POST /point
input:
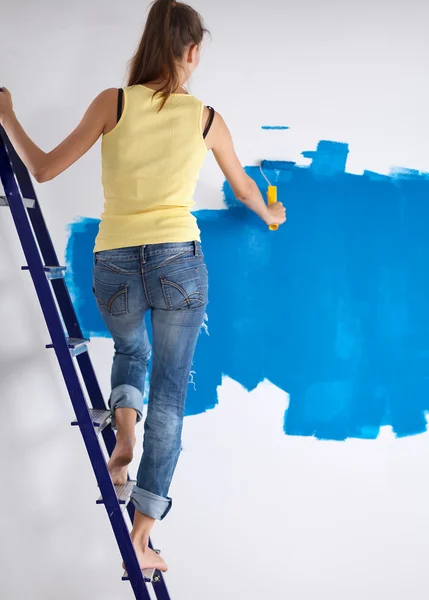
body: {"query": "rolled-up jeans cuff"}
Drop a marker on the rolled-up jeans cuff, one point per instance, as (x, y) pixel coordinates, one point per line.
(126, 396)
(150, 504)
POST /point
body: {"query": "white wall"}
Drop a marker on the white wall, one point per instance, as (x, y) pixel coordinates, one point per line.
(257, 514)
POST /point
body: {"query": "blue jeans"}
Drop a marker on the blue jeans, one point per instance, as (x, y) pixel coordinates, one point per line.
(171, 281)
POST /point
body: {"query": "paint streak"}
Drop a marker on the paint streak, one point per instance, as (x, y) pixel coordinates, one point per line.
(275, 127)
(278, 165)
(331, 308)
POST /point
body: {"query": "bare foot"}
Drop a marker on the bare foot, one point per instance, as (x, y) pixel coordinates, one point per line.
(149, 559)
(121, 457)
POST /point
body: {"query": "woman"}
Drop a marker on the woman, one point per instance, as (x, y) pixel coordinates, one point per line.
(148, 255)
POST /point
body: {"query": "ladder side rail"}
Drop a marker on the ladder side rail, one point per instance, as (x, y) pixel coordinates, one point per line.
(27, 190)
(72, 324)
(69, 315)
(54, 324)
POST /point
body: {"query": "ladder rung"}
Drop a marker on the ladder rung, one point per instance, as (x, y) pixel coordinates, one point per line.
(123, 492)
(77, 345)
(100, 419)
(149, 575)
(28, 202)
(51, 272)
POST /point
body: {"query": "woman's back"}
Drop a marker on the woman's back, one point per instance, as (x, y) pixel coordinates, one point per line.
(151, 161)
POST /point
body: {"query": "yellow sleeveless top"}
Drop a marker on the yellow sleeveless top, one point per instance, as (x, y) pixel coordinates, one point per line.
(150, 167)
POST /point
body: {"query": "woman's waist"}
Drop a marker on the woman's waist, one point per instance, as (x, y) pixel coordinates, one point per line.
(159, 249)
(131, 260)
(116, 231)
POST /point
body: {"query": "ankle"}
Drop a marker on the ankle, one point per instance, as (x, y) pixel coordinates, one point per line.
(141, 539)
(125, 436)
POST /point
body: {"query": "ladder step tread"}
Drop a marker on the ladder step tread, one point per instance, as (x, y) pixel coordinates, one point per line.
(47, 268)
(123, 492)
(73, 342)
(77, 345)
(76, 342)
(100, 418)
(56, 272)
(28, 202)
(149, 575)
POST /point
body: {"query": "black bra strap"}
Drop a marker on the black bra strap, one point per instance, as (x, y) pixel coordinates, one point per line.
(120, 97)
(209, 122)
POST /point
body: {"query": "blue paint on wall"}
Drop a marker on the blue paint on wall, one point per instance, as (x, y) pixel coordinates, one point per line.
(332, 308)
(79, 261)
(278, 165)
(275, 127)
(329, 159)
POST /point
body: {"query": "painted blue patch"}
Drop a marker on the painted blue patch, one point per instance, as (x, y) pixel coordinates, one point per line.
(332, 308)
(79, 261)
(329, 159)
(278, 127)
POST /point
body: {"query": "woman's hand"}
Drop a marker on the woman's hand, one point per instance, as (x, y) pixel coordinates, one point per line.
(276, 214)
(6, 106)
(244, 187)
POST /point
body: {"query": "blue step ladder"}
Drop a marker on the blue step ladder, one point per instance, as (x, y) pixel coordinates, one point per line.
(92, 416)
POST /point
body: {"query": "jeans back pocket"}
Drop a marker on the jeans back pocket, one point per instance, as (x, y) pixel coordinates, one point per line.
(112, 297)
(183, 289)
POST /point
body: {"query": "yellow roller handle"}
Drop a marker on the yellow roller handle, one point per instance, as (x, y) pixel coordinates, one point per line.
(272, 199)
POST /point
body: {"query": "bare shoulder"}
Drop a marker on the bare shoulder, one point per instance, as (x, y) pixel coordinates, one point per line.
(106, 104)
(218, 121)
(218, 129)
(103, 102)
(108, 96)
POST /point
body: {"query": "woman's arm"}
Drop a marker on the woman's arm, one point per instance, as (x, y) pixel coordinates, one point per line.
(244, 187)
(47, 165)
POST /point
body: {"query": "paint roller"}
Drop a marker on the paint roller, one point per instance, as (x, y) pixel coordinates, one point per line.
(277, 166)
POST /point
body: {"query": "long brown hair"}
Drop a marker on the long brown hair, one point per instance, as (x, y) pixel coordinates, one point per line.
(171, 27)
